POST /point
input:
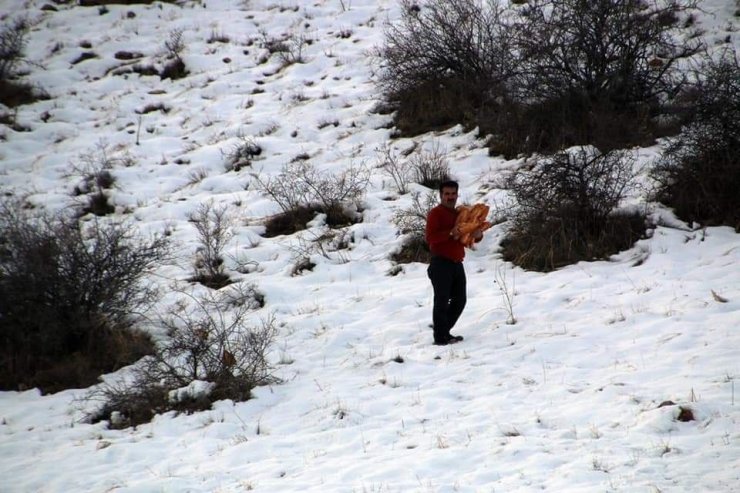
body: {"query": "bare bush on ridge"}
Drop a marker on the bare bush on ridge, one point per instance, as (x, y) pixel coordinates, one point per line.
(13, 40)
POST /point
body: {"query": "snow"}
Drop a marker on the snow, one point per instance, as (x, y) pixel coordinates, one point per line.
(566, 399)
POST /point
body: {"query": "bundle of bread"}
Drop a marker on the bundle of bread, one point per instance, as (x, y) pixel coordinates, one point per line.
(469, 219)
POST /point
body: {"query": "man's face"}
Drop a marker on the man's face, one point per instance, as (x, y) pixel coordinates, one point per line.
(448, 197)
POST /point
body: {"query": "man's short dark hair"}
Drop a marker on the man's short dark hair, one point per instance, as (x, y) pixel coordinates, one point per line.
(448, 184)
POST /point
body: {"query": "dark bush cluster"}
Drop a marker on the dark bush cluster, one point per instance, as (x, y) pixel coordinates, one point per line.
(698, 173)
(242, 154)
(175, 67)
(444, 63)
(566, 209)
(94, 167)
(13, 91)
(540, 76)
(70, 296)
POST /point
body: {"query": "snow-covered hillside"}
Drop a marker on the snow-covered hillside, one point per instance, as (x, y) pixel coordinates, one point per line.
(568, 399)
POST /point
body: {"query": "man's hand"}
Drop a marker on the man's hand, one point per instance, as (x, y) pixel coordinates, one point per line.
(478, 234)
(455, 233)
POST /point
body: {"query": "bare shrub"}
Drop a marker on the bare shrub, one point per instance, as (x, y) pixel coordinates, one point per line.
(12, 46)
(217, 37)
(300, 189)
(70, 297)
(430, 167)
(622, 51)
(94, 167)
(566, 209)
(411, 223)
(425, 167)
(395, 167)
(13, 39)
(290, 49)
(242, 153)
(444, 62)
(330, 244)
(698, 173)
(598, 72)
(211, 353)
(212, 224)
(507, 290)
(174, 46)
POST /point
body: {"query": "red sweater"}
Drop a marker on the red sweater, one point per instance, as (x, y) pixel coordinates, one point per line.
(440, 222)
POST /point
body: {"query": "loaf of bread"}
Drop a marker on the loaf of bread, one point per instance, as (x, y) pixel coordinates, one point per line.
(469, 219)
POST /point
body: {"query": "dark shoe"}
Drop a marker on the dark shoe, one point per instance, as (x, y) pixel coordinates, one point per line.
(456, 338)
(449, 340)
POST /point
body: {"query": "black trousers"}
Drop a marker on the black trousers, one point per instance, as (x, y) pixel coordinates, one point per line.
(448, 281)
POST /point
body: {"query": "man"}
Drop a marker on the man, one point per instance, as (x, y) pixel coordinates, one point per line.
(446, 268)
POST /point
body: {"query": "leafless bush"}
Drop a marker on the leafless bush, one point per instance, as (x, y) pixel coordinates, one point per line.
(698, 173)
(212, 224)
(565, 209)
(13, 92)
(70, 294)
(507, 290)
(621, 51)
(581, 179)
(300, 189)
(330, 244)
(242, 153)
(289, 49)
(395, 166)
(212, 352)
(295, 49)
(412, 220)
(94, 167)
(430, 167)
(444, 61)
(12, 46)
(411, 223)
(174, 46)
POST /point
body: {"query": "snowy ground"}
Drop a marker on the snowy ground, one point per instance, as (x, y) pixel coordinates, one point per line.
(565, 400)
